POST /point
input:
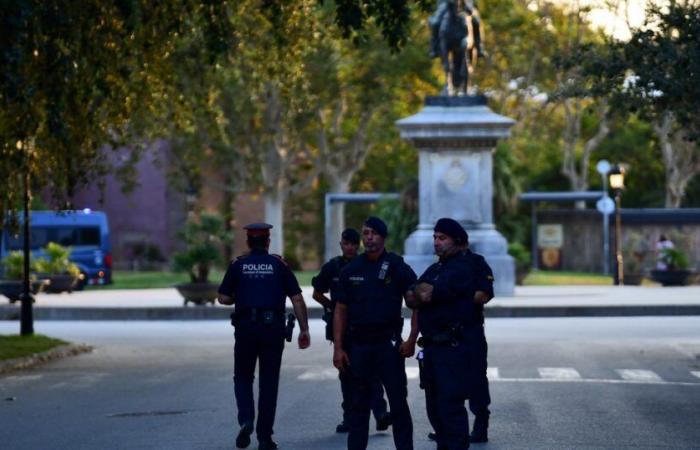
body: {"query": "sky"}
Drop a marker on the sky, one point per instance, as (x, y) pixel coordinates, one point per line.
(614, 15)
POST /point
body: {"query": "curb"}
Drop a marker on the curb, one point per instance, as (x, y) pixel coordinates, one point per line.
(36, 359)
(216, 313)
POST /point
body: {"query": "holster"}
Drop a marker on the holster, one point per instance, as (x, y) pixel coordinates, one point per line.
(328, 318)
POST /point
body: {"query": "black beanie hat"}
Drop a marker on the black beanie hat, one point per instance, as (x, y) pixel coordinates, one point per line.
(453, 229)
(351, 235)
(377, 225)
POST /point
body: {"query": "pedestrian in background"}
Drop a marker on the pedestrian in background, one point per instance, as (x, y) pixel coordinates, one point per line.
(368, 315)
(326, 282)
(258, 284)
(663, 244)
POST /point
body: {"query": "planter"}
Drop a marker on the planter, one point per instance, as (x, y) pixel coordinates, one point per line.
(632, 279)
(671, 277)
(12, 289)
(198, 293)
(61, 283)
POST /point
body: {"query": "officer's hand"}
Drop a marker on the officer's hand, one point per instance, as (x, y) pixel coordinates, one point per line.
(304, 339)
(424, 292)
(341, 361)
(407, 348)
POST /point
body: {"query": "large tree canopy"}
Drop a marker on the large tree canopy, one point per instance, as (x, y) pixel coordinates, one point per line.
(77, 76)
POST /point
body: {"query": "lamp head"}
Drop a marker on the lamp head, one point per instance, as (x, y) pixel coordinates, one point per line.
(617, 177)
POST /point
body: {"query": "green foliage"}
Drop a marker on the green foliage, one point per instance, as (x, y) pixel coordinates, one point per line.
(13, 265)
(520, 253)
(56, 261)
(401, 218)
(675, 259)
(635, 249)
(77, 78)
(204, 240)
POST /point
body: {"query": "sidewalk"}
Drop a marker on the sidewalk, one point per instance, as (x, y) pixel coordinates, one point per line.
(529, 301)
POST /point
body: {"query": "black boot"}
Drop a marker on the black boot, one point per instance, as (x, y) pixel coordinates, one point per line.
(480, 431)
(243, 439)
(342, 427)
(267, 444)
(383, 422)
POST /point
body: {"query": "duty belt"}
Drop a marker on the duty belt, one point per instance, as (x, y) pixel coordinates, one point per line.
(260, 315)
(374, 332)
(448, 336)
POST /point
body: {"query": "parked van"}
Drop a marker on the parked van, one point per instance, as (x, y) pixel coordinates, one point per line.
(86, 232)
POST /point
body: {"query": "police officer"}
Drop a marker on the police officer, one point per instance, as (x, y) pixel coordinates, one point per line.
(480, 398)
(368, 316)
(326, 281)
(258, 284)
(446, 319)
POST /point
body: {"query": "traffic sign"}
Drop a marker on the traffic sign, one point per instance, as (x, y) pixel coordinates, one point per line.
(605, 205)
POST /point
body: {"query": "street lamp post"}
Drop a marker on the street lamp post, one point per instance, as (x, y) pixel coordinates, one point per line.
(617, 183)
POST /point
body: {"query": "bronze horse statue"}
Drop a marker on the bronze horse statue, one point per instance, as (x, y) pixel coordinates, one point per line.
(451, 42)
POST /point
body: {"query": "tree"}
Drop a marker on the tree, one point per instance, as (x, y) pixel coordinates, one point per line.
(656, 74)
(77, 78)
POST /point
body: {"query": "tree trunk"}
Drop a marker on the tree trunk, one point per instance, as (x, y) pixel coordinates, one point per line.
(339, 184)
(274, 215)
(681, 158)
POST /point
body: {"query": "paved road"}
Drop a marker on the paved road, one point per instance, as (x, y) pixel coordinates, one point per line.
(557, 384)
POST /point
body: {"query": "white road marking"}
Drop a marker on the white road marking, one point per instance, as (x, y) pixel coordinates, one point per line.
(547, 375)
(319, 374)
(558, 373)
(638, 375)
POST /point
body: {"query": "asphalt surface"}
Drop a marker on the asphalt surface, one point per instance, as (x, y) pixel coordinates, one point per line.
(610, 383)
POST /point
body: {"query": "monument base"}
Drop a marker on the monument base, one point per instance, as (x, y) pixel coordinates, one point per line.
(486, 241)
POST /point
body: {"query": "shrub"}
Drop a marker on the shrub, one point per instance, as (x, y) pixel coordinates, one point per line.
(56, 261)
(204, 239)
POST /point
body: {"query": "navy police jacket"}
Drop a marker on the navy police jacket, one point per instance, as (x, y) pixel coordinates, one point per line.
(327, 280)
(454, 285)
(483, 278)
(259, 280)
(373, 290)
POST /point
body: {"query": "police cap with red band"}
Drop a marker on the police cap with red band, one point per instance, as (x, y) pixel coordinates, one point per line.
(258, 229)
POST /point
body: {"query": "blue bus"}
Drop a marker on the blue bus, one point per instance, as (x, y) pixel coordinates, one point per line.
(86, 232)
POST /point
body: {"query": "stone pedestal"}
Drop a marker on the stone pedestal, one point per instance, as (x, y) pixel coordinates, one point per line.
(456, 137)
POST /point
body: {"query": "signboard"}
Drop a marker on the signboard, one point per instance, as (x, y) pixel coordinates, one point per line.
(550, 240)
(550, 236)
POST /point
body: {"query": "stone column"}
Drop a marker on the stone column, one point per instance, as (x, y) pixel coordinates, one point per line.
(456, 137)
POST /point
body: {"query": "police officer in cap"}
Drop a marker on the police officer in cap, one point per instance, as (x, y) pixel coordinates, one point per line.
(446, 319)
(326, 283)
(258, 284)
(368, 315)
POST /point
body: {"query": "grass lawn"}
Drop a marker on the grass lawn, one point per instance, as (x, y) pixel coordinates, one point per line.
(146, 280)
(18, 346)
(549, 278)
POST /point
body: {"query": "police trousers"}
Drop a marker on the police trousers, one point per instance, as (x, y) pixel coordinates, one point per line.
(263, 343)
(377, 402)
(480, 398)
(370, 361)
(448, 384)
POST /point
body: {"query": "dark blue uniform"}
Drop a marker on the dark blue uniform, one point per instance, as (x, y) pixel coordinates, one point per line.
(260, 284)
(373, 292)
(480, 399)
(447, 325)
(327, 281)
